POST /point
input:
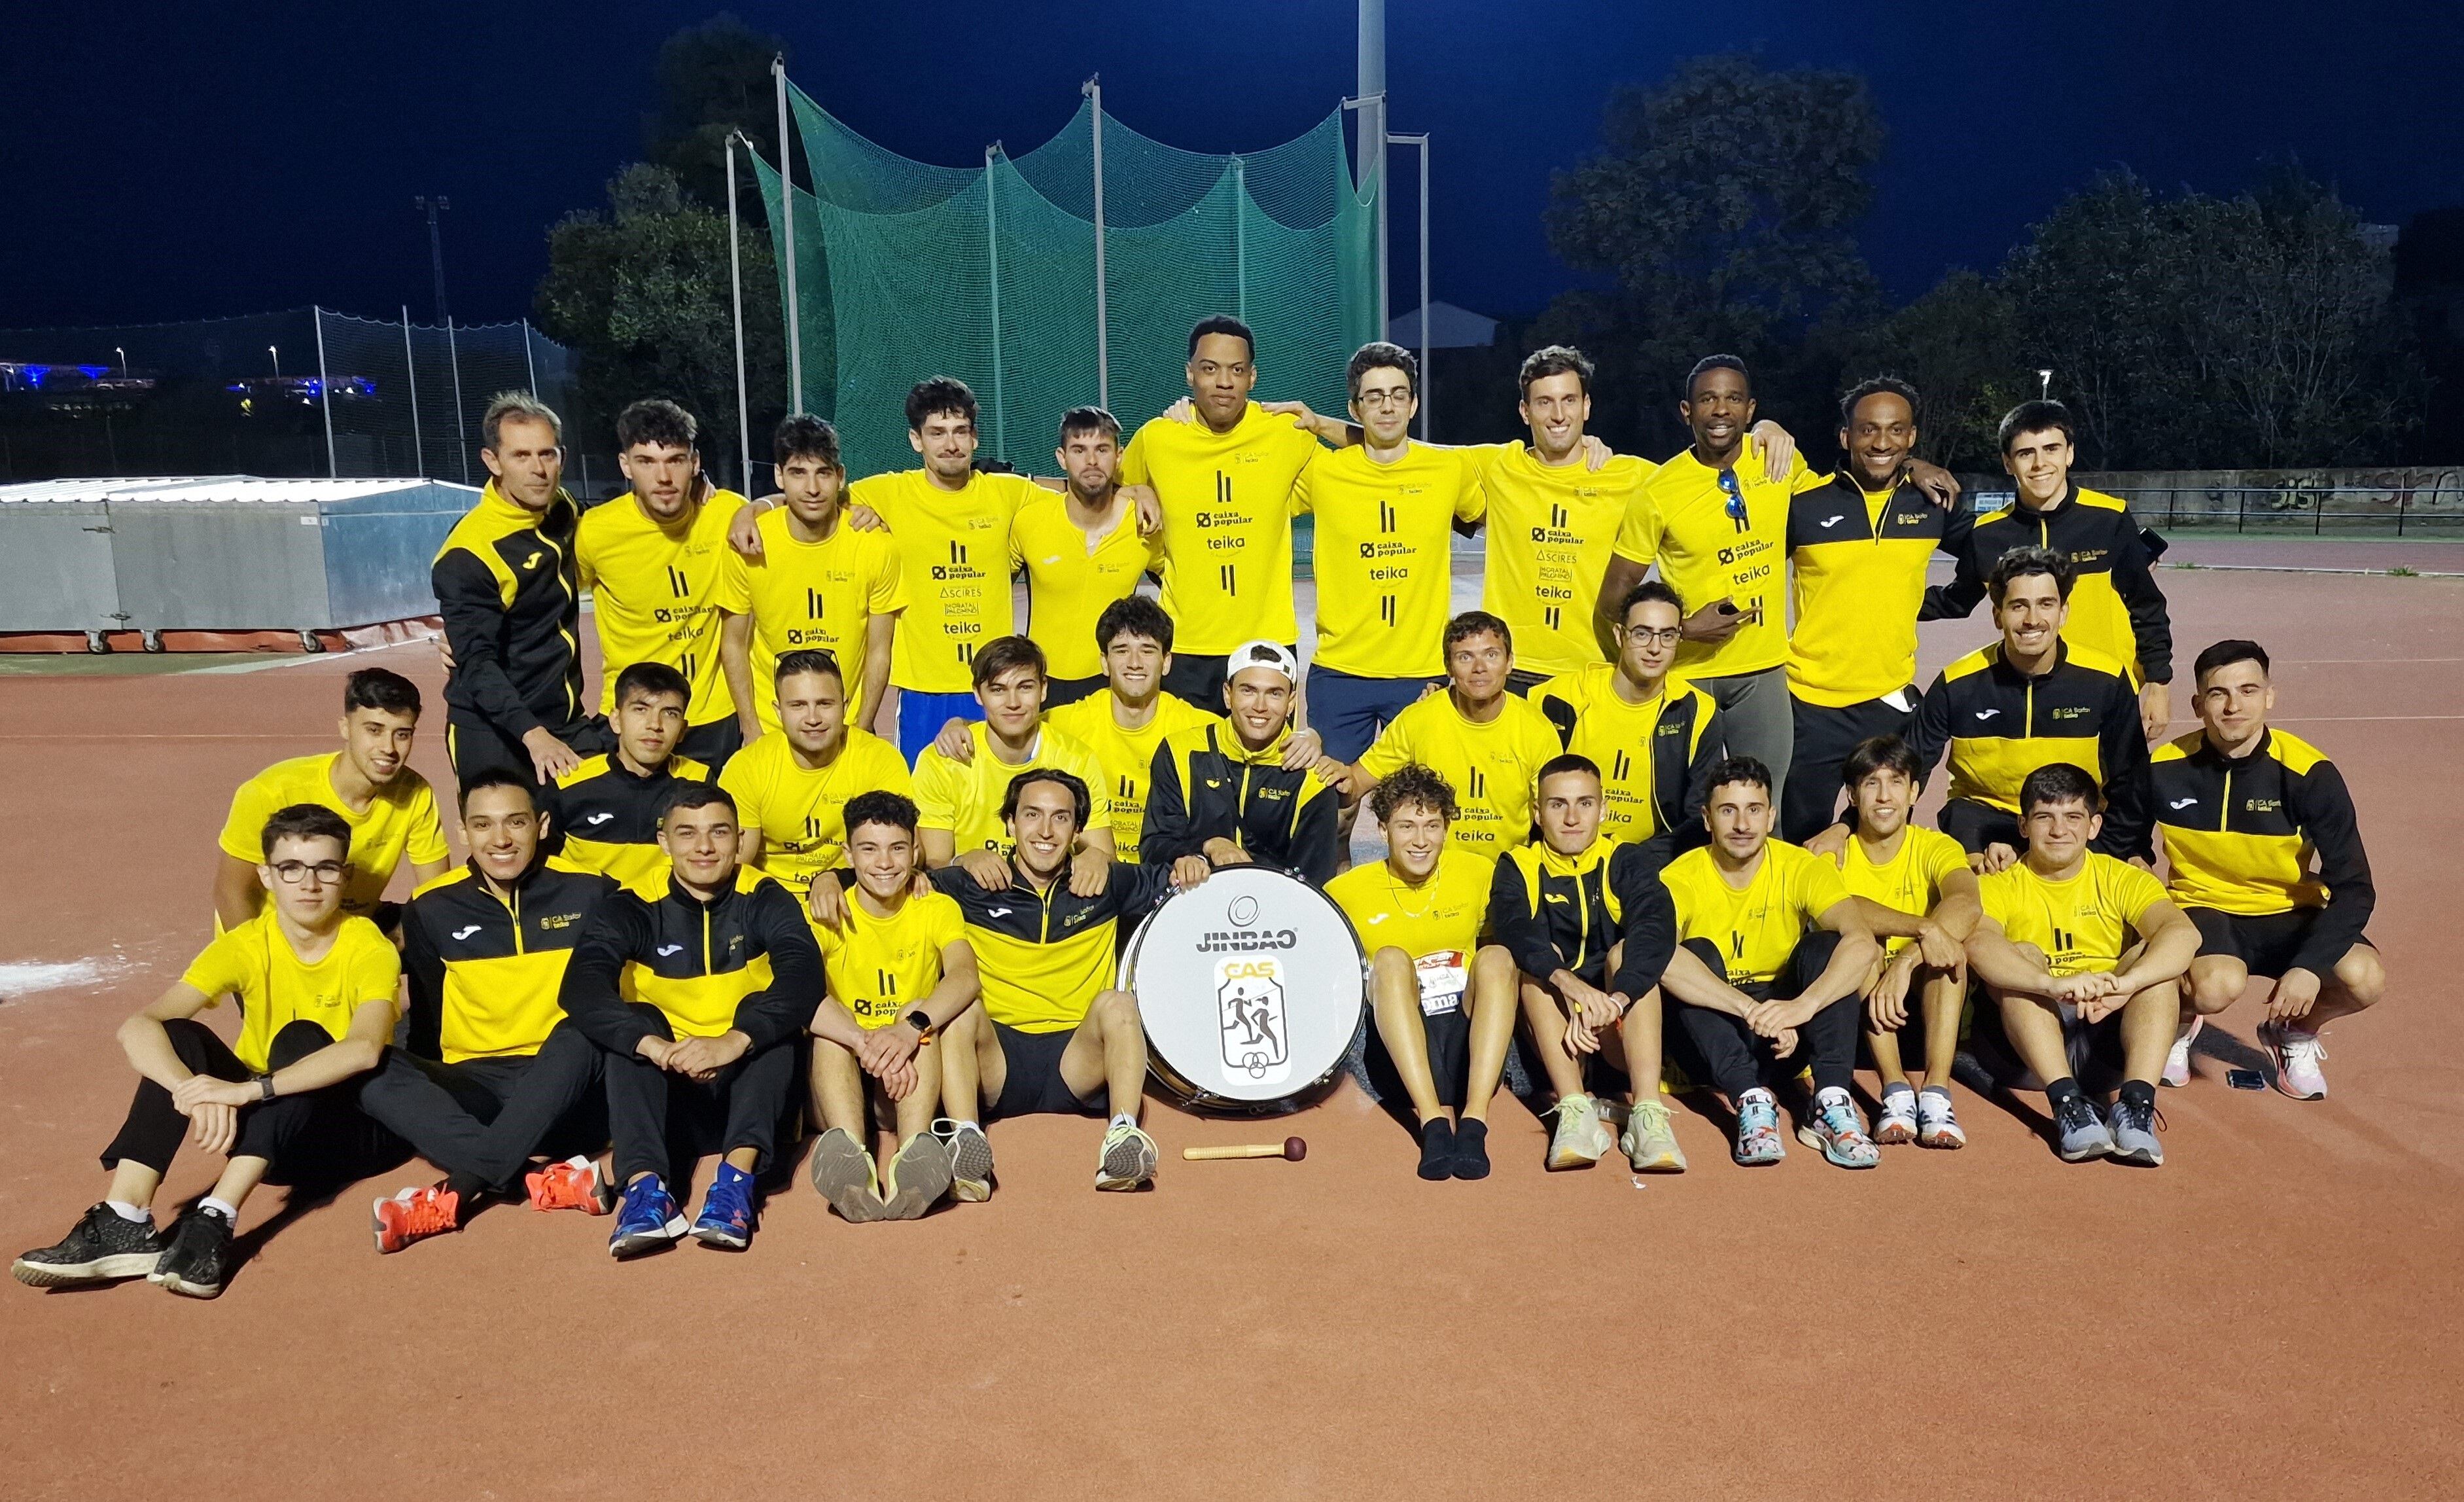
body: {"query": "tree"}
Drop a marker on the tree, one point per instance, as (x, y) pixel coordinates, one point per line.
(714, 81)
(1956, 345)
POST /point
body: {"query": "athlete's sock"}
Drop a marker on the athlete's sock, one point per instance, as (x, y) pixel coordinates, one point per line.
(2139, 1092)
(1122, 1118)
(2061, 1091)
(138, 1213)
(220, 1206)
(1437, 1148)
(1944, 1091)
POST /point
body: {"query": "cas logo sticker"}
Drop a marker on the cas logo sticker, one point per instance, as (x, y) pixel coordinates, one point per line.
(1250, 1016)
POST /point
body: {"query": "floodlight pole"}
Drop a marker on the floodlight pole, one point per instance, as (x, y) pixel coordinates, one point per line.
(410, 384)
(787, 212)
(432, 206)
(1421, 140)
(1239, 239)
(1372, 137)
(325, 391)
(992, 249)
(1094, 89)
(1374, 169)
(736, 285)
(461, 421)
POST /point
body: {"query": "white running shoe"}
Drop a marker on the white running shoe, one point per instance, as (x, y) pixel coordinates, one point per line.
(2297, 1060)
(2177, 1062)
(1581, 1135)
(1899, 1124)
(1937, 1124)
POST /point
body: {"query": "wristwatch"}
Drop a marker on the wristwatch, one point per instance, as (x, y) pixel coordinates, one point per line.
(916, 1020)
(265, 1087)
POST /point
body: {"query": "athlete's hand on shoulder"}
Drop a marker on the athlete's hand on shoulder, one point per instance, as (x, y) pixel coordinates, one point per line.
(2155, 710)
(1181, 411)
(956, 743)
(1190, 871)
(550, 758)
(1996, 856)
(1834, 842)
(744, 528)
(1220, 852)
(2296, 991)
(1939, 485)
(1596, 453)
(1779, 450)
(1715, 622)
(988, 869)
(214, 1128)
(1334, 774)
(1090, 872)
(828, 901)
(204, 1089)
(1145, 508)
(1306, 749)
(864, 519)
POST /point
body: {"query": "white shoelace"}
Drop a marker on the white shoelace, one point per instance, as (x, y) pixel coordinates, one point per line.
(2302, 1047)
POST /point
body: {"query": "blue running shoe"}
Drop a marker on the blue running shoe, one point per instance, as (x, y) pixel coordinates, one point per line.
(647, 1221)
(726, 1219)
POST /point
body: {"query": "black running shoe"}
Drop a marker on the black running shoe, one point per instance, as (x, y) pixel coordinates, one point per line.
(199, 1257)
(1437, 1148)
(103, 1246)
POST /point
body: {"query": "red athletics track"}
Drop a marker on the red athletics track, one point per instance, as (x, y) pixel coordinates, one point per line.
(2276, 1312)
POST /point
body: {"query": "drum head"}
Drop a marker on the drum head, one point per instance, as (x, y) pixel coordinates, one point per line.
(1251, 988)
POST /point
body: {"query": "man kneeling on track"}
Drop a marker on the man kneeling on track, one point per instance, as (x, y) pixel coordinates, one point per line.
(724, 979)
(899, 968)
(492, 1067)
(1591, 929)
(1445, 1005)
(2056, 942)
(1771, 950)
(315, 993)
(1054, 1033)
(2247, 813)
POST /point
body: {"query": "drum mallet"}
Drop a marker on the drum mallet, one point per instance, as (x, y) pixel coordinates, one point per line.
(1290, 1147)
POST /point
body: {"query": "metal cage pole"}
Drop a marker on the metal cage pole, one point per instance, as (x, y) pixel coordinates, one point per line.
(1095, 91)
(325, 392)
(1239, 239)
(530, 361)
(992, 247)
(410, 386)
(461, 419)
(736, 285)
(1421, 140)
(788, 213)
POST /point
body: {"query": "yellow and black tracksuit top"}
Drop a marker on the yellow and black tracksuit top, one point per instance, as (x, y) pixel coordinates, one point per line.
(607, 817)
(1555, 912)
(2116, 608)
(485, 969)
(1999, 724)
(1204, 784)
(744, 961)
(1045, 953)
(2265, 833)
(510, 594)
(1655, 758)
(1859, 565)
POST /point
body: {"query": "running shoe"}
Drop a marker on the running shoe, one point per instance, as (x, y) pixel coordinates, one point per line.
(647, 1220)
(574, 1184)
(2134, 1135)
(414, 1215)
(198, 1260)
(843, 1174)
(1835, 1129)
(1581, 1135)
(2177, 1062)
(1758, 1140)
(103, 1246)
(725, 1223)
(1437, 1148)
(1648, 1142)
(2083, 1133)
(971, 1159)
(1128, 1161)
(920, 1174)
(2297, 1060)
(1899, 1124)
(1937, 1124)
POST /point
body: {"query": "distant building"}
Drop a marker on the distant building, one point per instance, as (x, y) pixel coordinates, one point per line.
(1450, 327)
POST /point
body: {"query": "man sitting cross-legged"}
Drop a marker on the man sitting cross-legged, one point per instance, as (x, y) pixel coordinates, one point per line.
(492, 1067)
(1771, 952)
(698, 993)
(2056, 941)
(1922, 903)
(899, 968)
(1445, 1005)
(315, 992)
(1591, 929)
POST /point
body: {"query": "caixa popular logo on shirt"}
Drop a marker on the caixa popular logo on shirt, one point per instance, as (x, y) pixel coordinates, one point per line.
(1742, 551)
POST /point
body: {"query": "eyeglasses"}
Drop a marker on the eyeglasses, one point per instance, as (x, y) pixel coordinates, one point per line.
(1665, 636)
(1736, 507)
(291, 873)
(1385, 399)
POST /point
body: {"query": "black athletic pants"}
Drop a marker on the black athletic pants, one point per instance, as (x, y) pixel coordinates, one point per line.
(481, 1119)
(664, 1122)
(319, 1137)
(1824, 737)
(1975, 825)
(1720, 1050)
(477, 747)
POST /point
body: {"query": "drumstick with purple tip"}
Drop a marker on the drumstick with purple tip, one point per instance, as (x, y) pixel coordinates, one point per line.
(1291, 1149)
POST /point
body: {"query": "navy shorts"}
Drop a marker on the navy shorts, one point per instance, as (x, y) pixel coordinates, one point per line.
(922, 717)
(1034, 1085)
(1347, 709)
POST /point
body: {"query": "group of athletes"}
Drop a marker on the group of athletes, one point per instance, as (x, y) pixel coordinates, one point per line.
(842, 845)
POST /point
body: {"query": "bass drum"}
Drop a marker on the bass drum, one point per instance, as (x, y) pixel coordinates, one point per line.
(1251, 988)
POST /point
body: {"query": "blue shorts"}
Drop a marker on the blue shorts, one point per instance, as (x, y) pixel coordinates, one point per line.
(1347, 711)
(922, 717)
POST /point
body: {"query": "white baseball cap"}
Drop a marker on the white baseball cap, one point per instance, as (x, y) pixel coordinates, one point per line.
(1263, 653)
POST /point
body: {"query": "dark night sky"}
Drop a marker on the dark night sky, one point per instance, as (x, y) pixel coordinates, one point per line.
(173, 162)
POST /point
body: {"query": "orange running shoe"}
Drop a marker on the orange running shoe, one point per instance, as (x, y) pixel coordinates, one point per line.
(414, 1215)
(573, 1185)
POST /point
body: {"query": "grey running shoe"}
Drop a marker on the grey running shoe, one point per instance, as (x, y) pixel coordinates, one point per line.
(2083, 1133)
(2134, 1135)
(971, 1159)
(103, 1246)
(1128, 1161)
(920, 1174)
(843, 1174)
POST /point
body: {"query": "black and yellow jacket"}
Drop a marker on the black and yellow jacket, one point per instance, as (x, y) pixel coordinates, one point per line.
(1045, 953)
(510, 593)
(485, 970)
(1557, 911)
(1204, 784)
(1664, 804)
(1998, 725)
(2116, 608)
(744, 961)
(2263, 834)
(1857, 584)
(605, 817)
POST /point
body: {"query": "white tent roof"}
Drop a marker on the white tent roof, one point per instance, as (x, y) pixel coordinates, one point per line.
(217, 488)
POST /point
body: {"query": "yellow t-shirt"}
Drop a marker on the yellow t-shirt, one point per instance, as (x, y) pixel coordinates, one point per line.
(1491, 767)
(876, 965)
(400, 820)
(1385, 545)
(1757, 927)
(966, 799)
(954, 549)
(1443, 913)
(1621, 739)
(1912, 879)
(1551, 531)
(1069, 584)
(1127, 757)
(800, 810)
(2082, 924)
(1227, 524)
(812, 594)
(1704, 554)
(654, 595)
(275, 987)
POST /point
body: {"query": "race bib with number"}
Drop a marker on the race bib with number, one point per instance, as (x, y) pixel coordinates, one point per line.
(1444, 979)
